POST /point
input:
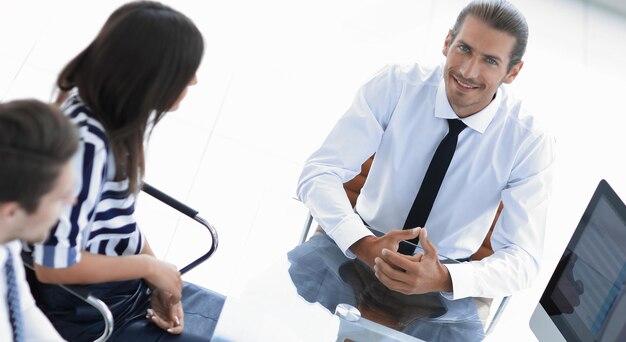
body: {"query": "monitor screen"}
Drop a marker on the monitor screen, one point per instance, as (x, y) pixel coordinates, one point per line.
(585, 297)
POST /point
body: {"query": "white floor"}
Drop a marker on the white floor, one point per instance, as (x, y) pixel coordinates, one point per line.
(276, 76)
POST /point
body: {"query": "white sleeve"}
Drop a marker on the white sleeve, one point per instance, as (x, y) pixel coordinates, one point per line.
(518, 236)
(37, 327)
(351, 142)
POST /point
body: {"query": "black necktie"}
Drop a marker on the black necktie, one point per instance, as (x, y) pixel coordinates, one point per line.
(432, 181)
(13, 299)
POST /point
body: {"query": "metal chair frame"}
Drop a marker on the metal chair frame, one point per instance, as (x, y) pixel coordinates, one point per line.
(83, 294)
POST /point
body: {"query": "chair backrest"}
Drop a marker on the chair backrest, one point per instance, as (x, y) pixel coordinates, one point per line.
(353, 189)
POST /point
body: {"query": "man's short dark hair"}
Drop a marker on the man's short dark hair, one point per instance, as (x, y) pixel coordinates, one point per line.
(36, 141)
(502, 16)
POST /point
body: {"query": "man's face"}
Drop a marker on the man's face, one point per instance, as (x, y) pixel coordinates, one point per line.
(36, 226)
(476, 64)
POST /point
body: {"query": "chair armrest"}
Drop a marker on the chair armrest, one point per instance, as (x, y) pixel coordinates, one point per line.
(83, 294)
(497, 315)
(183, 208)
(306, 228)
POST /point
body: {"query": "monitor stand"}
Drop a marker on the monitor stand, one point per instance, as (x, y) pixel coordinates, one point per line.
(542, 326)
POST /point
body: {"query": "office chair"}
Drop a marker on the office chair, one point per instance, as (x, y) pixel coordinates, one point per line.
(353, 190)
(81, 293)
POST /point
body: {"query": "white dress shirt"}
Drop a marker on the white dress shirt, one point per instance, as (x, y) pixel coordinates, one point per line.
(36, 325)
(502, 156)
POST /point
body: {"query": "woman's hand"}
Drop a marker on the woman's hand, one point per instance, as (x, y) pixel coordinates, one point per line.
(164, 277)
(165, 314)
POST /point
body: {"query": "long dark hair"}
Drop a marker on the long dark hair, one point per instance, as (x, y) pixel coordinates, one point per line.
(141, 61)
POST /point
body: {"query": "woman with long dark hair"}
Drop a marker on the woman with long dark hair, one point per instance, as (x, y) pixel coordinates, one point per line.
(137, 68)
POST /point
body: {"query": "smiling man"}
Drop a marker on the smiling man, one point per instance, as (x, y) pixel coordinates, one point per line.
(450, 143)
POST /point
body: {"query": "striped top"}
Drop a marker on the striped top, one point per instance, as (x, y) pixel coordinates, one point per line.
(102, 219)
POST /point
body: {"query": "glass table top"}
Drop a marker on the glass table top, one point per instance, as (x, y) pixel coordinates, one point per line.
(316, 293)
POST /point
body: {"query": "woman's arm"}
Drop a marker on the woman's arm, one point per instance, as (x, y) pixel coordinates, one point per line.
(96, 268)
(147, 249)
(163, 312)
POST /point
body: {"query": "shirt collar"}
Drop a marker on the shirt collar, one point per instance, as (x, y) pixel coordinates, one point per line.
(478, 121)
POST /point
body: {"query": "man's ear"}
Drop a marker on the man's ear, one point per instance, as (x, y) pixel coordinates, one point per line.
(446, 43)
(10, 221)
(513, 72)
(9, 209)
(8, 213)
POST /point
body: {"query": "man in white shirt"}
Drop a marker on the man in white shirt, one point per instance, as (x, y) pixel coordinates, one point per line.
(502, 156)
(36, 183)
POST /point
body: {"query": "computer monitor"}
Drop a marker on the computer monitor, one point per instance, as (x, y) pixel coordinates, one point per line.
(585, 299)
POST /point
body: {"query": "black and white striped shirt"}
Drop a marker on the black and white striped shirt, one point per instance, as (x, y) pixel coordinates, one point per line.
(102, 219)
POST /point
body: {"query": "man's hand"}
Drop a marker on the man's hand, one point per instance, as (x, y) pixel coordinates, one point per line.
(370, 247)
(166, 314)
(414, 274)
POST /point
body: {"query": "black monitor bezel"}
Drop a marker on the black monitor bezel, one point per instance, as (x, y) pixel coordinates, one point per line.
(603, 190)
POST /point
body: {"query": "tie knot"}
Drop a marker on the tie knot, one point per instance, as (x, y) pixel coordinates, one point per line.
(455, 126)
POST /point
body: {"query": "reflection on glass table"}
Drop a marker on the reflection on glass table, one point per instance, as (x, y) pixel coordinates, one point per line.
(315, 293)
(322, 274)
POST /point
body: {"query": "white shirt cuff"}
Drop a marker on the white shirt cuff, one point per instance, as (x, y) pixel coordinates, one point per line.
(347, 232)
(463, 281)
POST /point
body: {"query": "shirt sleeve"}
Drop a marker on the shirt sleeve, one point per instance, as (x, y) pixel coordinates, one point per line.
(62, 249)
(518, 236)
(351, 142)
(37, 327)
